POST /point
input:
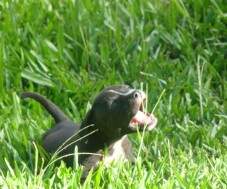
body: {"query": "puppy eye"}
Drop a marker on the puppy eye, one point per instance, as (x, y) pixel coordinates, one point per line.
(136, 95)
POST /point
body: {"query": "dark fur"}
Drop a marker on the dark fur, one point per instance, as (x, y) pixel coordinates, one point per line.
(108, 119)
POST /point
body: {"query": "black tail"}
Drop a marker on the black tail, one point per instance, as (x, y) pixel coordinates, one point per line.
(55, 111)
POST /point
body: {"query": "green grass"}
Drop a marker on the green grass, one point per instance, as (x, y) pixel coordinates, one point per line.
(69, 50)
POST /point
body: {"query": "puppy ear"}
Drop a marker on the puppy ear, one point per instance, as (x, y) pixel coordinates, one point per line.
(89, 119)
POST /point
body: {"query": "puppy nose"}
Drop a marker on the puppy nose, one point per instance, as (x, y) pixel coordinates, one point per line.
(139, 94)
(136, 94)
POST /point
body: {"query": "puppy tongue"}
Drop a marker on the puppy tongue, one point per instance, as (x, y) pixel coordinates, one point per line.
(145, 119)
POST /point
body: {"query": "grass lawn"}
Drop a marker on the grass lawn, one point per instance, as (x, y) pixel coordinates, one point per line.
(69, 50)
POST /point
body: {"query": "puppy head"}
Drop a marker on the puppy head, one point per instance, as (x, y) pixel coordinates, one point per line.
(118, 110)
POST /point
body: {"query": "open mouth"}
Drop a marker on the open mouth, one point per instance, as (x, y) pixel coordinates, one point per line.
(143, 120)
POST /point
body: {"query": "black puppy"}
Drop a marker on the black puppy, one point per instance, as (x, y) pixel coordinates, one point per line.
(116, 111)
